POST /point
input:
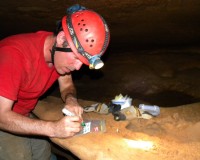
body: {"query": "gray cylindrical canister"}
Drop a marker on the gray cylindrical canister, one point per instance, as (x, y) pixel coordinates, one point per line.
(152, 109)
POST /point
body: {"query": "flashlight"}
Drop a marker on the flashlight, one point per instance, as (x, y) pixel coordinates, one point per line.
(95, 62)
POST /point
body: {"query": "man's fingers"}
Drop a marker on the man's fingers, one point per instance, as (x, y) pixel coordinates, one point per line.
(74, 118)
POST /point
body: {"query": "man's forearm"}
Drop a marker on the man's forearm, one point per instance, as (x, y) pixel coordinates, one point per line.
(69, 96)
(16, 123)
(67, 88)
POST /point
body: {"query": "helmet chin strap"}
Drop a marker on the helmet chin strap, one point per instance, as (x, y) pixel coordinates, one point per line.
(54, 49)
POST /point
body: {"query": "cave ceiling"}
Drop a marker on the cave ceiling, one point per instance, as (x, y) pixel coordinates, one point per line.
(134, 24)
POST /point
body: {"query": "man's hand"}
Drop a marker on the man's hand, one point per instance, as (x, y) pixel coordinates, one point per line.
(67, 126)
(73, 106)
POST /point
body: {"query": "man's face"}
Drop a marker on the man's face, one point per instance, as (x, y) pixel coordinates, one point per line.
(65, 62)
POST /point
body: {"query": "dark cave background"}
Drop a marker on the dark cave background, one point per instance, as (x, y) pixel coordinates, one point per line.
(153, 53)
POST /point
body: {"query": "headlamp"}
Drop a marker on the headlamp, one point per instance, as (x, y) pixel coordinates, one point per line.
(95, 62)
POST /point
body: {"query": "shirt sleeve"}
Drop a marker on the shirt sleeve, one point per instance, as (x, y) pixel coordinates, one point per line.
(11, 73)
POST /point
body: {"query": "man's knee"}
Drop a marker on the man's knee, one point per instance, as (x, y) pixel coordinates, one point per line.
(41, 149)
(14, 147)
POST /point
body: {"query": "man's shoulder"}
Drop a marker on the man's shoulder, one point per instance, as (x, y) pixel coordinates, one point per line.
(37, 34)
(25, 41)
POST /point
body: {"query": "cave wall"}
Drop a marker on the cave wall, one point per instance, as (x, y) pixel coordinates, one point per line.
(134, 24)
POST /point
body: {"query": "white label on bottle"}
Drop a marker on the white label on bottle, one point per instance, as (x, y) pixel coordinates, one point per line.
(87, 128)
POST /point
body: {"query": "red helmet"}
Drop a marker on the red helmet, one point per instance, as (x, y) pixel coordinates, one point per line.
(87, 34)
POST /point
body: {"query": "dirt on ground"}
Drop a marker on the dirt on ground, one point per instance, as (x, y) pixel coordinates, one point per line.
(173, 135)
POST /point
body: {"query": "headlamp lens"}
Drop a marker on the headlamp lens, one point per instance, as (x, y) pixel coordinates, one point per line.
(96, 63)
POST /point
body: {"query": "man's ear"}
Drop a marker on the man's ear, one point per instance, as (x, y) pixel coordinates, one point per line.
(60, 38)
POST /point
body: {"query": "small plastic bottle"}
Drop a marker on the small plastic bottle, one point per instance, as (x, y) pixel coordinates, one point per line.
(152, 109)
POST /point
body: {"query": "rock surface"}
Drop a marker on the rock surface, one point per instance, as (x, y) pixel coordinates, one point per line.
(173, 135)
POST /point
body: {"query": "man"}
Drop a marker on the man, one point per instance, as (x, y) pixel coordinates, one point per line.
(29, 65)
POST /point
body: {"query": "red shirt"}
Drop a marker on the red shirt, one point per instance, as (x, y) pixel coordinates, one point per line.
(24, 74)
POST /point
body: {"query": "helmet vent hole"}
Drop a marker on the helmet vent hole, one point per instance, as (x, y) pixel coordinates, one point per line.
(86, 30)
(82, 20)
(81, 29)
(90, 42)
(84, 24)
(79, 24)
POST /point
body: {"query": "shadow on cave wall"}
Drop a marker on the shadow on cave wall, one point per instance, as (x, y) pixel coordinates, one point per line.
(168, 98)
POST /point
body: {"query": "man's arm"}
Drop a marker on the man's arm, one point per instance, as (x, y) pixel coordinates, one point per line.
(16, 123)
(67, 88)
(68, 94)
